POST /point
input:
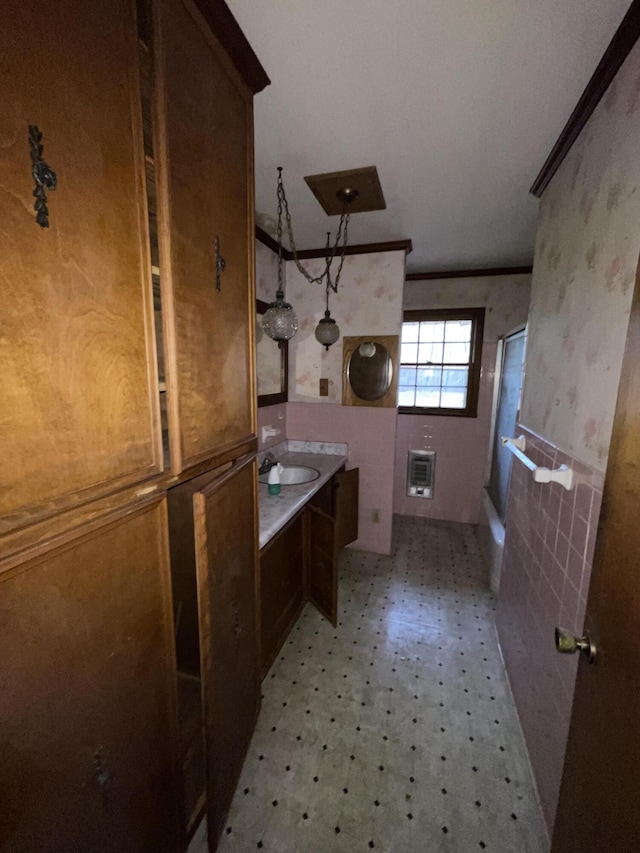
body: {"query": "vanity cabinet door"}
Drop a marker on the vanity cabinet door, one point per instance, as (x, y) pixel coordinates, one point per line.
(79, 413)
(323, 563)
(282, 592)
(87, 686)
(345, 506)
(226, 559)
(204, 169)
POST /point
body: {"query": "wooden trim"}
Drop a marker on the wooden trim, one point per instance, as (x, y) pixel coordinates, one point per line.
(227, 30)
(475, 363)
(472, 273)
(361, 249)
(268, 241)
(619, 48)
(405, 246)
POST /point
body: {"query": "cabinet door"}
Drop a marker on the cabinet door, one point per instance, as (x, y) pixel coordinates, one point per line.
(323, 563)
(79, 405)
(87, 681)
(226, 560)
(282, 591)
(345, 506)
(204, 147)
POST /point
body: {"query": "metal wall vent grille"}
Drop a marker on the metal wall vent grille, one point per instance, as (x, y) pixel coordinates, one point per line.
(420, 473)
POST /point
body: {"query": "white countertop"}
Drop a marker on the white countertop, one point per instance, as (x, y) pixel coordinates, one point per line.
(276, 510)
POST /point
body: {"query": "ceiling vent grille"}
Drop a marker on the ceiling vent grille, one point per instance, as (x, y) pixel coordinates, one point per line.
(421, 466)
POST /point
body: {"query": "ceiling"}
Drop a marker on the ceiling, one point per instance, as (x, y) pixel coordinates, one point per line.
(457, 102)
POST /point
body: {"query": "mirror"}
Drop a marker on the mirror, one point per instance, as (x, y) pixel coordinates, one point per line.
(369, 371)
(272, 362)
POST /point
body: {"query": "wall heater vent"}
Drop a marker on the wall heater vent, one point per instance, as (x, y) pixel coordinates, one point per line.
(421, 465)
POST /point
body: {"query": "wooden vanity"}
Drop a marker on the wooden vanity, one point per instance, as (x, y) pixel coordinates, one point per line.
(299, 560)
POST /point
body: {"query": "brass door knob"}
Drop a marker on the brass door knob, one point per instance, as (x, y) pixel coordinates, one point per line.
(568, 644)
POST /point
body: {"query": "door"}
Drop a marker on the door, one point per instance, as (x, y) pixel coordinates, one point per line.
(226, 560)
(204, 149)
(87, 714)
(599, 806)
(510, 389)
(79, 406)
(323, 563)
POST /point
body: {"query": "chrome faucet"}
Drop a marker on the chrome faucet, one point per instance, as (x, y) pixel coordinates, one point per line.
(268, 463)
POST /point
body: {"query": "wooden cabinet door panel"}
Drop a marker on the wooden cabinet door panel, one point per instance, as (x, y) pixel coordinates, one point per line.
(79, 405)
(323, 564)
(226, 560)
(345, 510)
(87, 717)
(204, 169)
(281, 589)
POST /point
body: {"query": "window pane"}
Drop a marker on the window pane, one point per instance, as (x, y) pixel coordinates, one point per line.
(458, 330)
(408, 353)
(457, 353)
(454, 398)
(407, 376)
(406, 396)
(429, 376)
(430, 353)
(428, 397)
(410, 333)
(431, 331)
(455, 377)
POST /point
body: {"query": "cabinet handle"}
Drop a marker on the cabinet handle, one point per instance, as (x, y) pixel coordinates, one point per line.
(221, 265)
(43, 175)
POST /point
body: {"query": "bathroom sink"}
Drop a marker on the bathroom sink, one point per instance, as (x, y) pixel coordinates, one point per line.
(294, 475)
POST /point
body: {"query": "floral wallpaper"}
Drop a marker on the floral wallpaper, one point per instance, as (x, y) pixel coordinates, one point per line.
(267, 273)
(505, 297)
(368, 302)
(584, 271)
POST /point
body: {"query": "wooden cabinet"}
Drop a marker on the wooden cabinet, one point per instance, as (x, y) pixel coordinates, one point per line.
(88, 690)
(97, 753)
(79, 412)
(204, 145)
(300, 563)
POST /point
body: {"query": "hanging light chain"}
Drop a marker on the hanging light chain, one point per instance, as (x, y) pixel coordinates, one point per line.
(326, 273)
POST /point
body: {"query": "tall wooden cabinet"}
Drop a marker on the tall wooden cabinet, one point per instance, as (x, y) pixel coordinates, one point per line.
(107, 742)
(204, 139)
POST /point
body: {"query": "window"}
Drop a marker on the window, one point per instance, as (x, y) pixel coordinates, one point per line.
(440, 356)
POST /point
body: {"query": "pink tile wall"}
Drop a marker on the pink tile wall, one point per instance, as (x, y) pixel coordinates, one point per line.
(370, 434)
(273, 416)
(461, 446)
(549, 545)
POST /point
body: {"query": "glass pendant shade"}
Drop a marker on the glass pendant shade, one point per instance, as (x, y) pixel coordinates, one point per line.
(279, 320)
(327, 330)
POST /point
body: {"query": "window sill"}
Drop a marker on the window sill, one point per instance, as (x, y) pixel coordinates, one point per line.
(448, 413)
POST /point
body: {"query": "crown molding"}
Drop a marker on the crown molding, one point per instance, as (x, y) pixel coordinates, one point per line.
(619, 48)
(361, 249)
(473, 273)
(227, 30)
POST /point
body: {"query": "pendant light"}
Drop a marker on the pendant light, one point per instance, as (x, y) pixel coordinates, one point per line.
(279, 320)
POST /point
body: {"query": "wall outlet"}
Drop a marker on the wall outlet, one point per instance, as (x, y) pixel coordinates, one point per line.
(324, 387)
(375, 516)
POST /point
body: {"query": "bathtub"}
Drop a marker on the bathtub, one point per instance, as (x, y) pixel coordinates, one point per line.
(491, 535)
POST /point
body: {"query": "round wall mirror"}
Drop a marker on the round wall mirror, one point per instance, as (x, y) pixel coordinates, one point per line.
(370, 371)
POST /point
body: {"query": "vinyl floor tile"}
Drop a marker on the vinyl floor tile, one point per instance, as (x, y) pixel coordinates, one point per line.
(396, 730)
